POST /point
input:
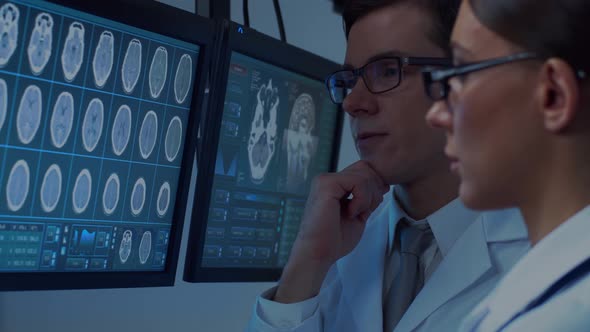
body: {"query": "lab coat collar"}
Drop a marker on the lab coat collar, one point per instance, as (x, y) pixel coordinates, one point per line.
(549, 260)
(447, 223)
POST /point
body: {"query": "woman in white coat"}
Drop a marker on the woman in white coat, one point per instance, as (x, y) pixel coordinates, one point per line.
(516, 108)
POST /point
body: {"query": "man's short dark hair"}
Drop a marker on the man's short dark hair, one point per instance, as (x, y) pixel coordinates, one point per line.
(443, 13)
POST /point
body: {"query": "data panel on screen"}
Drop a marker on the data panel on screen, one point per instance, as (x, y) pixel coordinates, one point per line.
(278, 131)
(93, 117)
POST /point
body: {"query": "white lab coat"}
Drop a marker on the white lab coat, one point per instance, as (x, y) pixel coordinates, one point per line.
(550, 259)
(351, 296)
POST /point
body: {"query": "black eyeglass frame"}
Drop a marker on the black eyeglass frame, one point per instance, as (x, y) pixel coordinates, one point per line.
(403, 61)
(443, 76)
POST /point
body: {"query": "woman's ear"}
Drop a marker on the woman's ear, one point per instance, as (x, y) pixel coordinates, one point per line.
(559, 95)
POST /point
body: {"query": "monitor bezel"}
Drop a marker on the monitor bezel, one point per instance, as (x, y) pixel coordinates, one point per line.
(248, 42)
(174, 23)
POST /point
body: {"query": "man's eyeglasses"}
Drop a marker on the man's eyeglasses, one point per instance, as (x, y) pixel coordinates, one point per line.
(436, 81)
(379, 76)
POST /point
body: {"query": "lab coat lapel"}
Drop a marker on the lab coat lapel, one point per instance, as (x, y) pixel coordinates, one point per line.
(361, 273)
(467, 261)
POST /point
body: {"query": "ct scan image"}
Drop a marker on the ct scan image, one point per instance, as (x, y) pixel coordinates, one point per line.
(17, 186)
(145, 247)
(138, 197)
(263, 131)
(163, 201)
(93, 124)
(39, 49)
(3, 102)
(148, 134)
(110, 196)
(183, 77)
(158, 72)
(301, 144)
(131, 68)
(28, 117)
(121, 130)
(51, 188)
(9, 18)
(125, 246)
(62, 119)
(72, 55)
(82, 191)
(173, 139)
(102, 63)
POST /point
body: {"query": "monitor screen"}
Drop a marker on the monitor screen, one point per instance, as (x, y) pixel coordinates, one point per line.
(93, 120)
(278, 131)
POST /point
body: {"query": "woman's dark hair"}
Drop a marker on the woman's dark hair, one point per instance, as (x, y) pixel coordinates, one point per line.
(548, 28)
(443, 13)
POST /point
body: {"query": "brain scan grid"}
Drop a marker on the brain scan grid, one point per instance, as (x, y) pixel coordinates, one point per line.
(278, 131)
(93, 117)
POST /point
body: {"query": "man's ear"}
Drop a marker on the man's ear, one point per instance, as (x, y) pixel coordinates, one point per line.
(559, 95)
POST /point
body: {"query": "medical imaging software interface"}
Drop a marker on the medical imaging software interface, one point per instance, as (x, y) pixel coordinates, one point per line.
(93, 116)
(277, 132)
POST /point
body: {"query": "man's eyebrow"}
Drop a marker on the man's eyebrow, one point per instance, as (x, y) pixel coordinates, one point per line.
(385, 54)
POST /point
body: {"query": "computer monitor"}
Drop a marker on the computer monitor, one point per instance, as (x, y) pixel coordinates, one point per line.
(273, 128)
(99, 104)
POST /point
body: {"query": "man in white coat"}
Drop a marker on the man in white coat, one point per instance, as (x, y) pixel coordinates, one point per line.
(370, 257)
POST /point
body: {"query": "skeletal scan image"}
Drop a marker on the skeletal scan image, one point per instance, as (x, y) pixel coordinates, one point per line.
(148, 134)
(28, 118)
(138, 197)
(3, 102)
(163, 199)
(9, 15)
(62, 119)
(131, 66)
(102, 63)
(121, 130)
(39, 49)
(300, 142)
(92, 125)
(125, 247)
(17, 186)
(82, 191)
(51, 188)
(182, 80)
(173, 139)
(73, 52)
(263, 132)
(110, 195)
(145, 247)
(158, 72)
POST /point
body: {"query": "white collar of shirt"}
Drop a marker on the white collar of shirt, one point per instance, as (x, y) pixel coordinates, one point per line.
(447, 223)
(554, 256)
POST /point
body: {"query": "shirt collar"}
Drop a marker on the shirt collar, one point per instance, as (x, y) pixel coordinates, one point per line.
(447, 223)
(550, 259)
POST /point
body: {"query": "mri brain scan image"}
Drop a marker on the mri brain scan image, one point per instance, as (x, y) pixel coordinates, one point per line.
(102, 63)
(145, 247)
(72, 55)
(9, 16)
(121, 130)
(148, 134)
(138, 197)
(182, 80)
(300, 142)
(51, 188)
(82, 191)
(92, 125)
(28, 118)
(62, 119)
(158, 72)
(263, 132)
(173, 139)
(131, 66)
(3, 102)
(110, 195)
(17, 186)
(39, 50)
(125, 247)
(163, 199)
